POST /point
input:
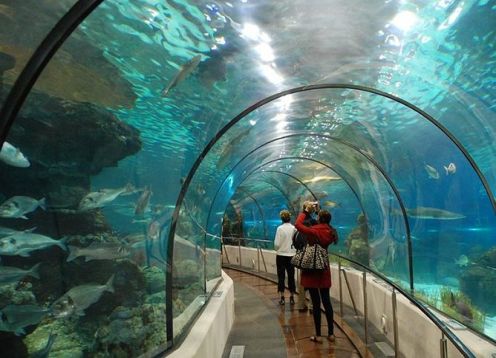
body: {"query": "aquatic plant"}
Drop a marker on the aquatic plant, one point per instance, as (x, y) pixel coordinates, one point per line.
(478, 278)
(459, 306)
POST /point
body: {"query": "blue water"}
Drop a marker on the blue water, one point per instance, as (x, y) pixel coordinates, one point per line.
(354, 151)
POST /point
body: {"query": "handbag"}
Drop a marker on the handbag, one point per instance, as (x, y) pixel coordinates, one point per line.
(311, 258)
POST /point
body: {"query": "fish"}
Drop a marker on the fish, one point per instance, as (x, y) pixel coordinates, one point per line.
(331, 204)
(431, 171)
(462, 261)
(98, 251)
(461, 307)
(319, 178)
(12, 156)
(10, 274)
(20, 316)
(185, 70)
(142, 202)
(98, 199)
(212, 70)
(450, 169)
(5, 231)
(78, 298)
(18, 206)
(427, 213)
(23, 243)
(45, 351)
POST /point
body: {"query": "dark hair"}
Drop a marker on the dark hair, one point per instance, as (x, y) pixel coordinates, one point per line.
(285, 216)
(324, 217)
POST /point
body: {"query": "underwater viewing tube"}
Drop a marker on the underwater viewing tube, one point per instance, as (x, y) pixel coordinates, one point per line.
(137, 136)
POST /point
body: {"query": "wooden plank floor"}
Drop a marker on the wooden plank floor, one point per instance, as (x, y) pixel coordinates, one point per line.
(297, 327)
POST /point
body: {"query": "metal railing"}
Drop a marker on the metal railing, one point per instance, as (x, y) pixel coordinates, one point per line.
(445, 331)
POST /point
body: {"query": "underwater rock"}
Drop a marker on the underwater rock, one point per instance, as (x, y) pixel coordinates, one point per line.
(66, 143)
(477, 281)
(67, 77)
(154, 279)
(357, 241)
(139, 330)
(186, 273)
(73, 339)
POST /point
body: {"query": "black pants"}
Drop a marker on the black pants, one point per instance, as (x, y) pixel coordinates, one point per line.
(283, 264)
(316, 294)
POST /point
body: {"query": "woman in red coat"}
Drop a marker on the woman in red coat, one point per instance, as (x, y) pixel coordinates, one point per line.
(318, 282)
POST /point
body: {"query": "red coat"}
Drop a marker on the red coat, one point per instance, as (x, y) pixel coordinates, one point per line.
(324, 235)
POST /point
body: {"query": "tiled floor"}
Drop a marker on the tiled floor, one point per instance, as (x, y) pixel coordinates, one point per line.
(296, 327)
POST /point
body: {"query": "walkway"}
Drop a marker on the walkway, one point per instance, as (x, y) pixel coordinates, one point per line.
(266, 329)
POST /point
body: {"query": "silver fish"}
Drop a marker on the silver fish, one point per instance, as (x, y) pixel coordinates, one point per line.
(78, 298)
(10, 274)
(185, 70)
(23, 243)
(13, 156)
(18, 206)
(20, 316)
(98, 251)
(427, 213)
(450, 169)
(462, 261)
(431, 171)
(45, 351)
(142, 202)
(98, 199)
(6, 231)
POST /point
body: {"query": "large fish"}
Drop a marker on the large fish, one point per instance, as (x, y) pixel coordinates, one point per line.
(78, 298)
(185, 70)
(98, 199)
(13, 156)
(10, 274)
(23, 243)
(427, 213)
(19, 206)
(98, 251)
(20, 316)
(6, 231)
(431, 171)
(320, 178)
(142, 202)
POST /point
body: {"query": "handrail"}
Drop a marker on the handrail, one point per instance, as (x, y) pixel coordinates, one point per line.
(453, 338)
(460, 346)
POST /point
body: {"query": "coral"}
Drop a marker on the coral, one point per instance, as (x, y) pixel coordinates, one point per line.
(71, 340)
(16, 294)
(154, 279)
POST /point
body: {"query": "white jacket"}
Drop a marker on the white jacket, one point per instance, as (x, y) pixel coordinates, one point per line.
(284, 240)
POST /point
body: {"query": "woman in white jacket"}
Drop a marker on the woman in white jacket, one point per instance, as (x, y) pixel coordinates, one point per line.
(283, 245)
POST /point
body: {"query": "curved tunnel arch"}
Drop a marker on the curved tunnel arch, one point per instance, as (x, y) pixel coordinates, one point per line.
(259, 207)
(308, 159)
(369, 159)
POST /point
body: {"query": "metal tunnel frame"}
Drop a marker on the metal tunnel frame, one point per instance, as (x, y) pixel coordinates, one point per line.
(70, 21)
(259, 209)
(275, 96)
(369, 159)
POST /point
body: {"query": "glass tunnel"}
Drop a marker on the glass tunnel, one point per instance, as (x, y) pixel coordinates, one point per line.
(138, 135)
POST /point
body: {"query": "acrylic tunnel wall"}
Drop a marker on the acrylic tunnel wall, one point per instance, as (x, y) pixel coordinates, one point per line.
(136, 133)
